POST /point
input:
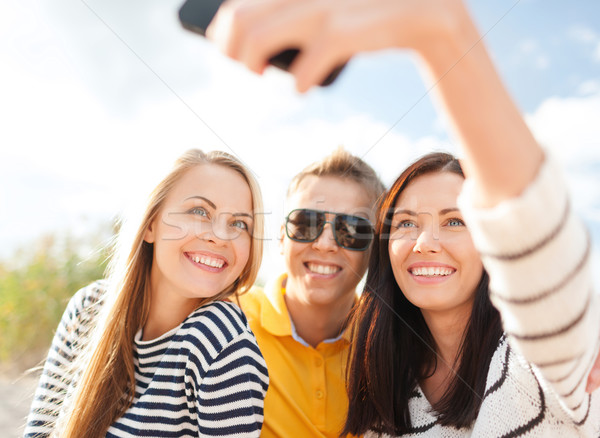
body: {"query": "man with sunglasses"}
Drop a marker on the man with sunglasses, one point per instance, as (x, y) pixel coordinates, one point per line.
(300, 316)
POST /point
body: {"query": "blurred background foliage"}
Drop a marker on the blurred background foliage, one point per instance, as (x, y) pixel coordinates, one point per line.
(36, 284)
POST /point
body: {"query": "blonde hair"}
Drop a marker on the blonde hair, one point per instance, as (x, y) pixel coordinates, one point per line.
(107, 384)
(342, 164)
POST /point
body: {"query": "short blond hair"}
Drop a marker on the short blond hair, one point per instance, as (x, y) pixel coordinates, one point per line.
(342, 164)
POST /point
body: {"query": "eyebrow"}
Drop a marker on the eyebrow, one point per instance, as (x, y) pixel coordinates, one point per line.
(208, 201)
(408, 212)
(244, 215)
(443, 211)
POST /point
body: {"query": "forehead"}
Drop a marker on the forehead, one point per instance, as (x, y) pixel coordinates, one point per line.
(223, 186)
(439, 189)
(330, 193)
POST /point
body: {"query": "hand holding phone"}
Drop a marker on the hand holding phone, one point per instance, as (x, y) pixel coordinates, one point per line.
(196, 15)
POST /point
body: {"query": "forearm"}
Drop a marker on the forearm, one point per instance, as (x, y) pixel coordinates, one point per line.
(500, 153)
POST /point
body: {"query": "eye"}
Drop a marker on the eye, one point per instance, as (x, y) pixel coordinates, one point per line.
(455, 222)
(240, 224)
(406, 224)
(198, 211)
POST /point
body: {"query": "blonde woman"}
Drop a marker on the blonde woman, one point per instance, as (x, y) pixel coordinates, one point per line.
(155, 350)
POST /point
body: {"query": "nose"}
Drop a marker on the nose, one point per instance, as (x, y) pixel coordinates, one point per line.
(326, 241)
(216, 231)
(427, 242)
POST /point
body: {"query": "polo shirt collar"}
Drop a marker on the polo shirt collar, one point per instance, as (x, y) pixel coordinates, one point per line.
(274, 316)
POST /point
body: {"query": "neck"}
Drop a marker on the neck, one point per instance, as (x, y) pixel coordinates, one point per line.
(317, 322)
(447, 329)
(166, 312)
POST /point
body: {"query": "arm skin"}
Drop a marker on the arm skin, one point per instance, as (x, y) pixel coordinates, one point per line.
(488, 124)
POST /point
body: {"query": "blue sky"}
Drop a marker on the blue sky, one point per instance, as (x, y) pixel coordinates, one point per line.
(97, 97)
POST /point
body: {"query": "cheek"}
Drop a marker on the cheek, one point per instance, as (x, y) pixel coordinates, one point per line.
(173, 227)
(290, 249)
(242, 250)
(358, 261)
(471, 265)
(398, 250)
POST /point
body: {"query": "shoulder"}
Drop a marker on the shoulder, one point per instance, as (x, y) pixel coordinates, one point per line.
(85, 302)
(515, 389)
(216, 323)
(217, 336)
(509, 371)
(88, 295)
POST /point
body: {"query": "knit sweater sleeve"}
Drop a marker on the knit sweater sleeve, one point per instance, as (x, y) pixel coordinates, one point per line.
(55, 379)
(537, 253)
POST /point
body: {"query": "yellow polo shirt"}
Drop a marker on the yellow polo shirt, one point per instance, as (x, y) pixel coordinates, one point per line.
(307, 394)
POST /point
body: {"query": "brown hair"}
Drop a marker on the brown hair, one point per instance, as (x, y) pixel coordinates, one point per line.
(342, 164)
(391, 342)
(107, 384)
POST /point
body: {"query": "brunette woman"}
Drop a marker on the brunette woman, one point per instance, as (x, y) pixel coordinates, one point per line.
(429, 353)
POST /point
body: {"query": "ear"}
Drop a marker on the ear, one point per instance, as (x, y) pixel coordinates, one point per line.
(281, 237)
(149, 235)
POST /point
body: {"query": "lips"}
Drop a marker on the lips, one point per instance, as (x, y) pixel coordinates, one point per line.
(205, 260)
(322, 268)
(431, 271)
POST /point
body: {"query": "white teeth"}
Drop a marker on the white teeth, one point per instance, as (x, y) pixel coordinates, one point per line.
(323, 269)
(208, 261)
(431, 271)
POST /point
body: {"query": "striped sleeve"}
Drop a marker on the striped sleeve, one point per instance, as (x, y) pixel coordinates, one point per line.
(54, 381)
(537, 253)
(229, 376)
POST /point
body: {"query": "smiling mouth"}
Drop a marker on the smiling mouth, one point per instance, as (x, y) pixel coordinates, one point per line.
(318, 268)
(205, 260)
(430, 271)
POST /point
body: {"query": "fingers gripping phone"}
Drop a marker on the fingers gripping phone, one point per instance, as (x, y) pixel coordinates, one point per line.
(196, 15)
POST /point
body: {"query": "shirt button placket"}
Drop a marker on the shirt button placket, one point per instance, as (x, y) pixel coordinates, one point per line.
(320, 389)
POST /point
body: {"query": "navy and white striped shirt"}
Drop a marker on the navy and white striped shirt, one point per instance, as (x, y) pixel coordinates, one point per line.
(205, 377)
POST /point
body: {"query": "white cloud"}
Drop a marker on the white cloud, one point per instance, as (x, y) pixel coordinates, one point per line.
(542, 62)
(528, 46)
(582, 34)
(530, 51)
(588, 38)
(589, 87)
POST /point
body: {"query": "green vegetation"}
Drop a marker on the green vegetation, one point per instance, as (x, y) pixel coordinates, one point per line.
(35, 287)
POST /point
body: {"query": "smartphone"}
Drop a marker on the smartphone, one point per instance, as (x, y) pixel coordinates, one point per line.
(196, 15)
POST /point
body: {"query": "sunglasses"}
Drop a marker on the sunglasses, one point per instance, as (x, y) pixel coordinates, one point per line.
(350, 232)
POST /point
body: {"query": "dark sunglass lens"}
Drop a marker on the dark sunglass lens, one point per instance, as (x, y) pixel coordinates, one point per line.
(304, 225)
(353, 232)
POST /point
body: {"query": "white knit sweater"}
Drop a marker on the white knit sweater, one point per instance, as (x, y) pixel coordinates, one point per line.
(538, 256)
